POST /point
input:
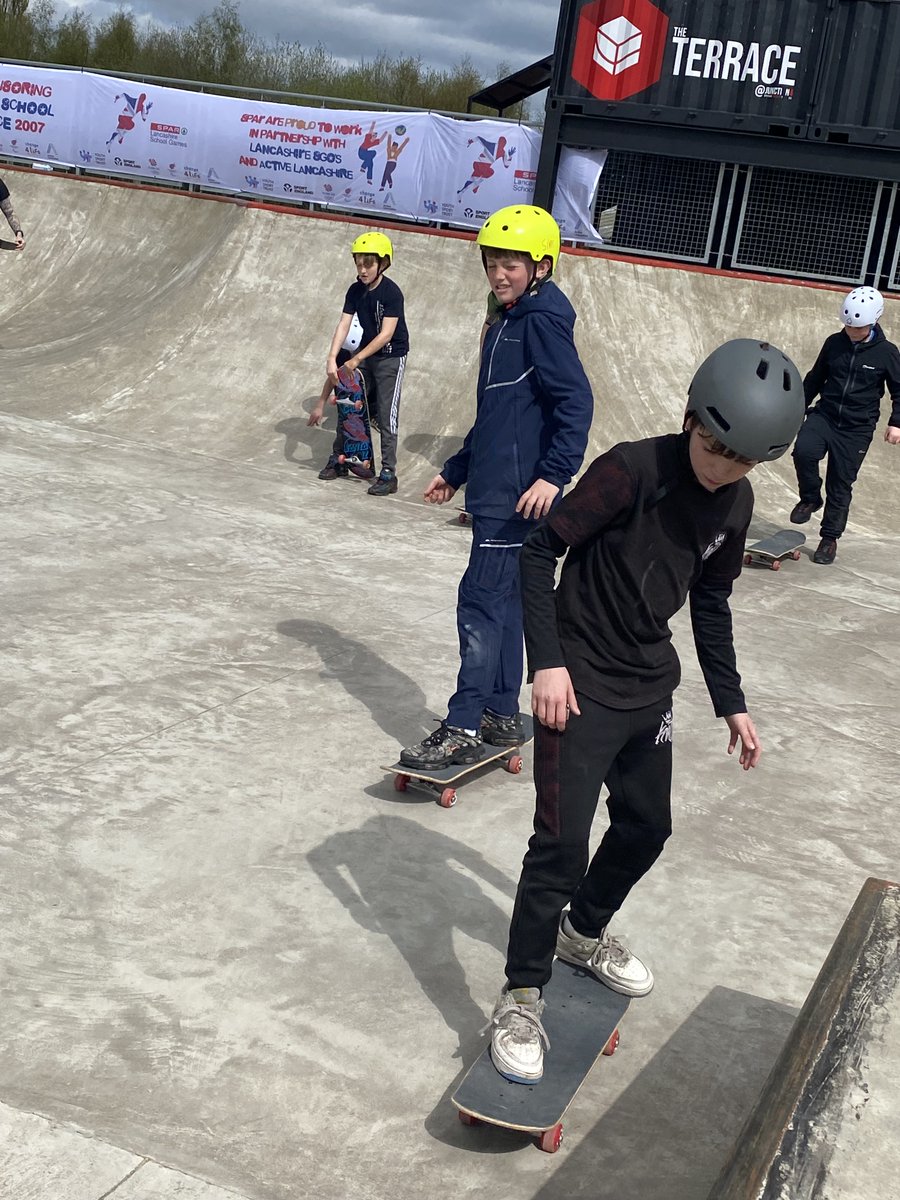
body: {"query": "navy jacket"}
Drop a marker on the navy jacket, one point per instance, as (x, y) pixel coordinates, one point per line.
(850, 379)
(534, 407)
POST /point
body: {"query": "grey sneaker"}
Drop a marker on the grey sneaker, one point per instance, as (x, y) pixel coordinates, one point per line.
(444, 748)
(518, 1039)
(501, 731)
(608, 959)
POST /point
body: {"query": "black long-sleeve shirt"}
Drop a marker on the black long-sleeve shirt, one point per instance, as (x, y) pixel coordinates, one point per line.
(850, 378)
(640, 534)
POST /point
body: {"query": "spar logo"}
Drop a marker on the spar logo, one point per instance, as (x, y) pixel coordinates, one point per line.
(619, 47)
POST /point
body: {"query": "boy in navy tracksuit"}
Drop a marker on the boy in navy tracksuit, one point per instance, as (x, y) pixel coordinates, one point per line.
(849, 377)
(530, 434)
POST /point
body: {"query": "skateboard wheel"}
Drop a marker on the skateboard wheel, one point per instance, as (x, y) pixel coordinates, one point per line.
(514, 764)
(401, 783)
(463, 518)
(613, 1044)
(747, 560)
(448, 798)
(776, 565)
(796, 555)
(342, 458)
(467, 1118)
(551, 1139)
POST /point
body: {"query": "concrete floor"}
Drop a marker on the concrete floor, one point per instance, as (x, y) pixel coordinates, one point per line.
(232, 956)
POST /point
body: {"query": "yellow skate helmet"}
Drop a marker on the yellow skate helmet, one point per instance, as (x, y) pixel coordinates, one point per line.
(522, 227)
(374, 243)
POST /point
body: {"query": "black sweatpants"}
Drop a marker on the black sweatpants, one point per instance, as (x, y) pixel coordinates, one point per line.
(630, 751)
(846, 450)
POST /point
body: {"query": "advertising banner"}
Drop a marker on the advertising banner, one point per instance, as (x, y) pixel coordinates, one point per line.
(414, 165)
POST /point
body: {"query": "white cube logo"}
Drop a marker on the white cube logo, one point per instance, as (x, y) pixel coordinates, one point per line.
(618, 45)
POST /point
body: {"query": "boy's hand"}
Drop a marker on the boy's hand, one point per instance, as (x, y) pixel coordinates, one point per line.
(892, 435)
(20, 240)
(742, 727)
(317, 415)
(439, 491)
(535, 503)
(553, 697)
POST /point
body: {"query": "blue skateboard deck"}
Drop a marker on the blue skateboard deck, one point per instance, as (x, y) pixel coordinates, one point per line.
(353, 424)
(581, 1018)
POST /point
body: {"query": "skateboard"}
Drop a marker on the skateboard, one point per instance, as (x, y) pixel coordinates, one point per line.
(353, 423)
(773, 549)
(441, 782)
(582, 1022)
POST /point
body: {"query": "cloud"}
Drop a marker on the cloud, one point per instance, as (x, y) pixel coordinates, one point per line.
(438, 32)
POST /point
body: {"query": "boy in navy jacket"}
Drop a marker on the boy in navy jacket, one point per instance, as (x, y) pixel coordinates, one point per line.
(531, 426)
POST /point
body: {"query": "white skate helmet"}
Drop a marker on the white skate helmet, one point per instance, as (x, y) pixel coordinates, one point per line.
(353, 340)
(862, 307)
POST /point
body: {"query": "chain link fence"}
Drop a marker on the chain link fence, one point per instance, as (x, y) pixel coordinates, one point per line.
(800, 223)
(658, 206)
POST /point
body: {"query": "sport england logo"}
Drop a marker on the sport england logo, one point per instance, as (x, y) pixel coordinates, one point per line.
(619, 47)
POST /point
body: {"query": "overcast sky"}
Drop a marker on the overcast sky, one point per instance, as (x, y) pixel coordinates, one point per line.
(440, 32)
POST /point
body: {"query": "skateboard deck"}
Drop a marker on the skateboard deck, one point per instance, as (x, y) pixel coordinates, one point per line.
(441, 781)
(582, 1022)
(353, 423)
(771, 550)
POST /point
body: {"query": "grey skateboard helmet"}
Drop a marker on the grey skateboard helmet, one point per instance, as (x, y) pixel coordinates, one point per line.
(749, 395)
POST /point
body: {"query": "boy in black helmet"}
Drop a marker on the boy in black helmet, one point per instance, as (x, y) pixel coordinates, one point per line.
(650, 524)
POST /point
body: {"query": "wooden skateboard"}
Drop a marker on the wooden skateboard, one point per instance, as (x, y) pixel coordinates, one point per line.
(581, 1018)
(441, 782)
(771, 550)
(353, 424)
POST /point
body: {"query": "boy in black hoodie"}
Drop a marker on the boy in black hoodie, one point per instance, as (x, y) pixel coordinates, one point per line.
(849, 377)
(649, 524)
(530, 434)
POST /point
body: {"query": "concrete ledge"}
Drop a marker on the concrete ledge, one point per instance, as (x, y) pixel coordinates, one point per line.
(814, 1115)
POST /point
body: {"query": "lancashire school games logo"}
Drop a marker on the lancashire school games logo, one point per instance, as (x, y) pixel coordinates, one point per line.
(619, 47)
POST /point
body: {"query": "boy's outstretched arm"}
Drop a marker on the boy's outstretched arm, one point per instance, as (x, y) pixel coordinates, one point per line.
(604, 493)
(714, 641)
(552, 693)
(814, 379)
(742, 727)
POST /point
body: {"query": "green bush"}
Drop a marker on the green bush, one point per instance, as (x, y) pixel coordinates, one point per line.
(218, 49)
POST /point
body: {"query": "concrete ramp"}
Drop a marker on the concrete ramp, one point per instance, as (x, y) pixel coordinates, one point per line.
(203, 325)
(825, 1124)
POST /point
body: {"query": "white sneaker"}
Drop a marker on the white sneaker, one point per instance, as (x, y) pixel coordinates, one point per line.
(611, 961)
(518, 1039)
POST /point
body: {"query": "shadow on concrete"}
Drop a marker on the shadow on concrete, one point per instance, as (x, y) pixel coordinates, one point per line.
(433, 449)
(362, 674)
(694, 1094)
(297, 431)
(416, 887)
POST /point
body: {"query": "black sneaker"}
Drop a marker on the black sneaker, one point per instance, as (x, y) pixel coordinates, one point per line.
(501, 731)
(801, 512)
(446, 747)
(333, 470)
(826, 551)
(385, 484)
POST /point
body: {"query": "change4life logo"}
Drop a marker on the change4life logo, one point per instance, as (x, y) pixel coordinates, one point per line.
(619, 47)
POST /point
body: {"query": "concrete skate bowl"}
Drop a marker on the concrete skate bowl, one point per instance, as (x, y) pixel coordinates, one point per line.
(202, 326)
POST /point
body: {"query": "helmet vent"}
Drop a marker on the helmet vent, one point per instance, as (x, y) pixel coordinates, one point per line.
(785, 381)
(719, 419)
(762, 368)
